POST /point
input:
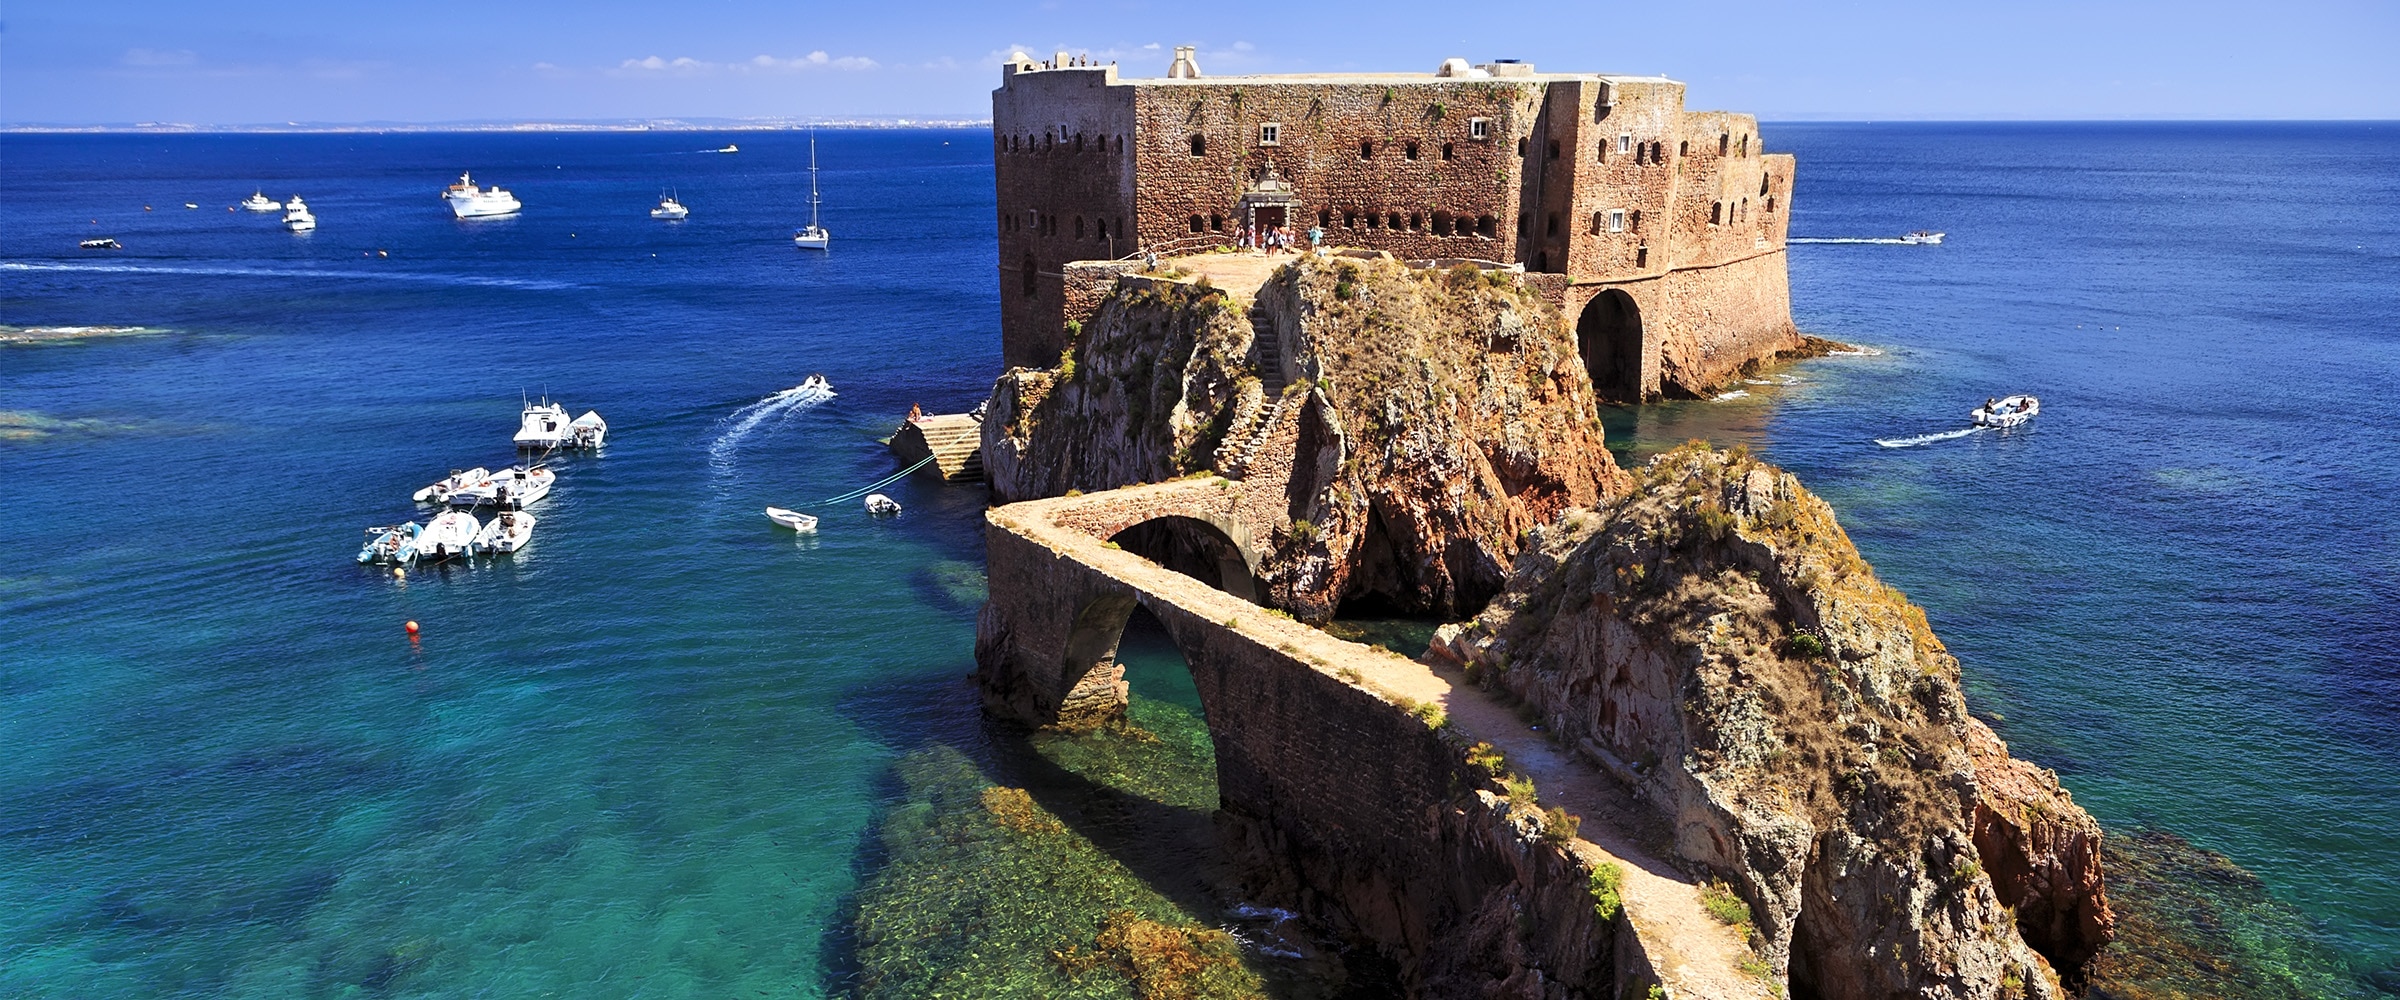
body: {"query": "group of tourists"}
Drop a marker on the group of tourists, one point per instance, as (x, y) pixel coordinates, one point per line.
(1275, 239)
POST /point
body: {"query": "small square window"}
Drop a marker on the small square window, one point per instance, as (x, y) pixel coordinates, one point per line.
(1479, 128)
(1270, 134)
(1625, 143)
(1616, 220)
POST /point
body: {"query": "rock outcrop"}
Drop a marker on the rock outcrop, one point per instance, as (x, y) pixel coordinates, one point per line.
(1431, 419)
(1714, 638)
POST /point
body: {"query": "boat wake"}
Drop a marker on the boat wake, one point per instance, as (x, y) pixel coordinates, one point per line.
(261, 272)
(1735, 394)
(1923, 439)
(776, 406)
(1893, 240)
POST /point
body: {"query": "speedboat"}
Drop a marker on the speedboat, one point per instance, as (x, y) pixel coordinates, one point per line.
(103, 243)
(509, 531)
(296, 216)
(448, 536)
(395, 544)
(882, 506)
(440, 492)
(258, 202)
(588, 431)
(191, 204)
(2007, 412)
(730, 148)
(792, 519)
(506, 489)
(469, 201)
(1923, 236)
(544, 425)
(814, 237)
(669, 208)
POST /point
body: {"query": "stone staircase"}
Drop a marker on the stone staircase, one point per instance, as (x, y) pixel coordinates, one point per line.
(955, 440)
(1234, 457)
(1269, 348)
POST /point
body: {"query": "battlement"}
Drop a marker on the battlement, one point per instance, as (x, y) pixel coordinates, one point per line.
(1606, 179)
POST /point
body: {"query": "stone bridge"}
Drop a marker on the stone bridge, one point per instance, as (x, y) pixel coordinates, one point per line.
(1345, 788)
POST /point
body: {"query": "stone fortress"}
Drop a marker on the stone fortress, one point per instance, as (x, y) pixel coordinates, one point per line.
(1659, 230)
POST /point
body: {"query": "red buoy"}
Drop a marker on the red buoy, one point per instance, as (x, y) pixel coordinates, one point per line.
(412, 628)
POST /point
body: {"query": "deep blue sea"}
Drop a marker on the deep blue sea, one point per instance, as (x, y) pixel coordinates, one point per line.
(645, 757)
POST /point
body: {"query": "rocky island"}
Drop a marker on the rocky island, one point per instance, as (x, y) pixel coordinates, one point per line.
(1678, 738)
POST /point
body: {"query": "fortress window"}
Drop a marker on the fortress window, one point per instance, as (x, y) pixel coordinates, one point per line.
(1374, 220)
(1770, 206)
(1199, 224)
(1600, 152)
(1079, 227)
(1216, 223)
(1270, 134)
(1079, 142)
(1553, 149)
(1616, 220)
(1411, 150)
(1625, 143)
(1522, 146)
(1762, 185)
(1441, 223)
(1025, 277)
(1416, 222)
(1551, 225)
(1487, 227)
(1324, 218)
(1745, 144)
(1366, 149)
(1637, 220)
(1723, 140)
(1684, 148)
(1449, 152)
(1641, 256)
(1349, 220)
(1102, 225)
(1199, 145)
(1395, 220)
(1479, 129)
(1716, 212)
(1598, 225)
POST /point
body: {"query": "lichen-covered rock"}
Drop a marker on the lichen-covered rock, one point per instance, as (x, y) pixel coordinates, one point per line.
(1713, 636)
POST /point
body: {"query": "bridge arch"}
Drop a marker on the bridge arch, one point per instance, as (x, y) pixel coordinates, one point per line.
(1609, 335)
(1207, 547)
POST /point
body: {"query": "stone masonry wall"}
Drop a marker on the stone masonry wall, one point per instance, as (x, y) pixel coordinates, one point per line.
(1065, 183)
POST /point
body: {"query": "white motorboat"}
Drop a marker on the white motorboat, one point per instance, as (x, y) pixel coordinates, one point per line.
(507, 489)
(296, 216)
(588, 431)
(669, 209)
(730, 148)
(258, 202)
(191, 204)
(2007, 412)
(882, 506)
(1923, 236)
(814, 237)
(508, 531)
(395, 544)
(103, 243)
(448, 536)
(440, 492)
(544, 425)
(470, 201)
(792, 519)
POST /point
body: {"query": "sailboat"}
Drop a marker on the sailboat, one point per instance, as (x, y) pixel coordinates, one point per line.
(814, 237)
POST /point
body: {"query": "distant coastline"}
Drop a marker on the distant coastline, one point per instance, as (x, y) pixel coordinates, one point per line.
(628, 125)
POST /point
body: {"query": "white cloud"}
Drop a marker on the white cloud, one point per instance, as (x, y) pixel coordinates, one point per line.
(762, 63)
(159, 57)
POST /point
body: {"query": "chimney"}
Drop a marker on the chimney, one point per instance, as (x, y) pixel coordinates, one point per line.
(1184, 67)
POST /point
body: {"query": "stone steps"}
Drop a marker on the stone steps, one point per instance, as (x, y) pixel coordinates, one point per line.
(955, 440)
(1269, 346)
(1253, 436)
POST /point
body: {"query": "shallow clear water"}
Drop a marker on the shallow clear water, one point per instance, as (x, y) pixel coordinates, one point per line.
(646, 757)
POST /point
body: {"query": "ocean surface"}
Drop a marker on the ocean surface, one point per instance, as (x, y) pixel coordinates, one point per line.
(658, 753)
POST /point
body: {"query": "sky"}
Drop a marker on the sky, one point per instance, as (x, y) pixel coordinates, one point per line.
(241, 62)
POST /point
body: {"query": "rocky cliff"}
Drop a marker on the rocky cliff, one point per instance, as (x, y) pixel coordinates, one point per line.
(1430, 420)
(1714, 638)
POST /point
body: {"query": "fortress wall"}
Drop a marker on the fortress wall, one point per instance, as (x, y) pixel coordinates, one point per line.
(1722, 214)
(1065, 183)
(1322, 128)
(1717, 320)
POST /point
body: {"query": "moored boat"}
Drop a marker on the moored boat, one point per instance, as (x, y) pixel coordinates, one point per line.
(588, 431)
(2006, 412)
(669, 208)
(507, 531)
(393, 544)
(814, 237)
(102, 243)
(448, 536)
(296, 216)
(440, 491)
(507, 489)
(882, 506)
(259, 202)
(792, 519)
(469, 200)
(543, 425)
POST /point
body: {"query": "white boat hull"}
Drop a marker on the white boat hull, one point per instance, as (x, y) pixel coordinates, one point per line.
(2008, 412)
(813, 241)
(792, 519)
(441, 491)
(508, 532)
(882, 506)
(485, 207)
(449, 536)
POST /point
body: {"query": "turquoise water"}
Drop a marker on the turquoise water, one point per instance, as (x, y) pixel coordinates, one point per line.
(648, 757)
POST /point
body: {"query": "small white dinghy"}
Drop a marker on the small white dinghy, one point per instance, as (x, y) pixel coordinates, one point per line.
(448, 536)
(397, 544)
(588, 431)
(507, 532)
(792, 519)
(882, 506)
(2008, 412)
(440, 492)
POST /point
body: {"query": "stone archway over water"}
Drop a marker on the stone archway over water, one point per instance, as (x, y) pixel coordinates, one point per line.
(1609, 335)
(1195, 548)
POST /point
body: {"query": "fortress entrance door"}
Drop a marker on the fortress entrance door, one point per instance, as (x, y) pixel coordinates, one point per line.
(1266, 218)
(1609, 333)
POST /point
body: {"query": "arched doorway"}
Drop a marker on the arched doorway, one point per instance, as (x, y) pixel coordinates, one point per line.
(1609, 334)
(1194, 548)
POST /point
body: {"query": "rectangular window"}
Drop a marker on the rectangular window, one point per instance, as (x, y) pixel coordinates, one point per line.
(1616, 220)
(1625, 143)
(1270, 134)
(1479, 128)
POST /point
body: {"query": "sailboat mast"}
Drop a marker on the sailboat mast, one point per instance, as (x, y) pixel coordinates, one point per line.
(812, 181)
